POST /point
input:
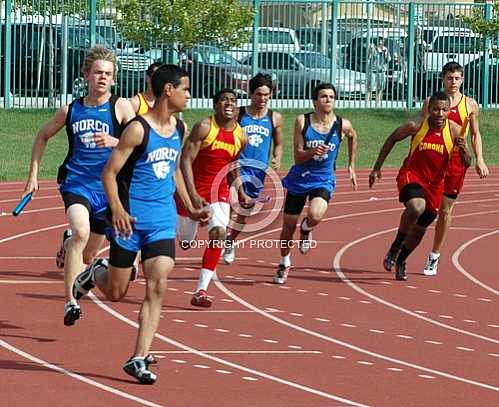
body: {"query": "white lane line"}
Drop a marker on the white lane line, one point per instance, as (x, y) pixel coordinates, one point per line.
(465, 349)
(299, 328)
(29, 282)
(457, 264)
(196, 352)
(202, 366)
(76, 376)
(250, 379)
(239, 352)
(27, 258)
(405, 336)
(32, 232)
(213, 311)
(346, 280)
(434, 342)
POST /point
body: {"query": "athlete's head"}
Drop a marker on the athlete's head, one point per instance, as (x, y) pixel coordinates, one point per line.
(152, 68)
(452, 77)
(438, 108)
(260, 87)
(323, 97)
(172, 82)
(99, 68)
(225, 104)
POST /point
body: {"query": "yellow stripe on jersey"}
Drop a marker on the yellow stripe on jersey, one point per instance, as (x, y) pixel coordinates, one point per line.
(462, 109)
(423, 130)
(418, 137)
(213, 133)
(143, 106)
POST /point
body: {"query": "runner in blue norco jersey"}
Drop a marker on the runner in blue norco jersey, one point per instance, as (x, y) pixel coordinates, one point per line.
(93, 126)
(140, 180)
(317, 138)
(264, 130)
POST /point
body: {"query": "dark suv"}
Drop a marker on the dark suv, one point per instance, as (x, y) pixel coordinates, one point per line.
(210, 69)
(36, 67)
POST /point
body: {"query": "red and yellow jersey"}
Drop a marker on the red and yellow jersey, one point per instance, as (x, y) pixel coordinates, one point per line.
(429, 153)
(457, 114)
(217, 150)
(143, 105)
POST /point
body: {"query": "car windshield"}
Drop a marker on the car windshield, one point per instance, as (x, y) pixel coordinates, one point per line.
(456, 44)
(313, 60)
(212, 55)
(79, 37)
(274, 37)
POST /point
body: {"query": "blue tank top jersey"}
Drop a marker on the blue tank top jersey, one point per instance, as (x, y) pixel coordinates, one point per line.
(146, 183)
(318, 172)
(259, 132)
(85, 161)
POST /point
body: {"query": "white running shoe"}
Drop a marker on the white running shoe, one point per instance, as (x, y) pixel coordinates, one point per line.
(229, 254)
(431, 266)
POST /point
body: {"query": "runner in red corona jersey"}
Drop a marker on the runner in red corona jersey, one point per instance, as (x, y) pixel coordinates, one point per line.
(462, 108)
(420, 180)
(212, 145)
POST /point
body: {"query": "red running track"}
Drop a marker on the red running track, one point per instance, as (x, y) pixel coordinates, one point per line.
(341, 332)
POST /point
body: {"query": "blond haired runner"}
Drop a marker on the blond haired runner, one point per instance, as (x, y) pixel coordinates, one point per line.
(93, 126)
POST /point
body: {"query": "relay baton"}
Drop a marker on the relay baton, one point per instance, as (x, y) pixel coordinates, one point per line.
(22, 203)
(263, 199)
(464, 127)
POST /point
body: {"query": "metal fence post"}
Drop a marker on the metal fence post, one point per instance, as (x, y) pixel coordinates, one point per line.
(486, 61)
(254, 51)
(8, 55)
(334, 39)
(410, 56)
(93, 18)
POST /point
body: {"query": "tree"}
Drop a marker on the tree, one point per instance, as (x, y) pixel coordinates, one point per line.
(182, 24)
(478, 22)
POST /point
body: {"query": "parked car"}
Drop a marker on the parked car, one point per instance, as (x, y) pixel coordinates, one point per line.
(311, 39)
(474, 82)
(446, 44)
(36, 67)
(299, 72)
(210, 69)
(355, 57)
(269, 39)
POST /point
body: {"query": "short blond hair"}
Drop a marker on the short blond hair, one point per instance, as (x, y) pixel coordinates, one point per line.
(99, 52)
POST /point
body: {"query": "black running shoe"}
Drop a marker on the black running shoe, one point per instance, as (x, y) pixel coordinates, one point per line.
(138, 367)
(85, 281)
(390, 258)
(400, 273)
(305, 237)
(72, 312)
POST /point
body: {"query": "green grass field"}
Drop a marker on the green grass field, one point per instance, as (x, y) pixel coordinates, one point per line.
(19, 127)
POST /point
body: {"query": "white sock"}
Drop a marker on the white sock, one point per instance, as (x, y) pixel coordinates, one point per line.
(286, 260)
(305, 227)
(434, 255)
(205, 277)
